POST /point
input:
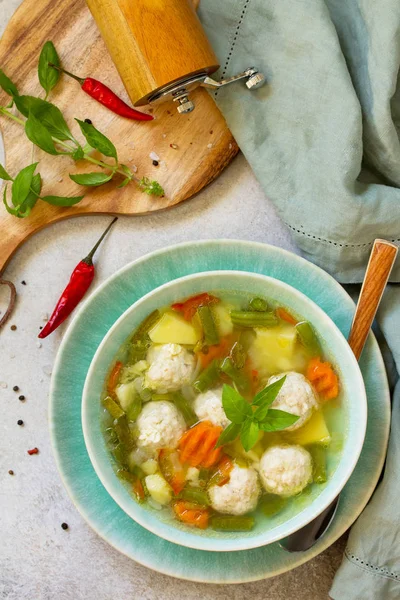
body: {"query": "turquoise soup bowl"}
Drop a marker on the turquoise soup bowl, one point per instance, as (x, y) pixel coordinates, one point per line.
(296, 514)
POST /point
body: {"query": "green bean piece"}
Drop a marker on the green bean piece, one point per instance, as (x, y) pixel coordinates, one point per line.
(204, 476)
(184, 407)
(238, 355)
(208, 378)
(258, 304)
(232, 523)
(254, 319)
(318, 456)
(123, 432)
(211, 336)
(135, 408)
(120, 454)
(113, 408)
(138, 350)
(195, 495)
(145, 326)
(238, 378)
(271, 504)
(308, 338)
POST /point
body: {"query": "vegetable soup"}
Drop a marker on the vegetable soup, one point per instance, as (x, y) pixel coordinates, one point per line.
(222, 409)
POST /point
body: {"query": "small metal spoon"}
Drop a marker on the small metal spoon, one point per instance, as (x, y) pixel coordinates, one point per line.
(376, 277)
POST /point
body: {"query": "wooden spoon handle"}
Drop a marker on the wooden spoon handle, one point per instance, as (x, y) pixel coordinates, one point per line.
(379, 266)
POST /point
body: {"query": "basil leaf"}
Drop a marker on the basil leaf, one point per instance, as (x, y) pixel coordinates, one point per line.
(48, 76)
(7, 85)
(236, 408)
(277, 420)
(249, 434)
(33, 195)
(4, 175)
(10, 210)
(78, 154)
(97, 140)
(48, 114)
(21, 185)
(91, 179)
(39, 135)
(229, 434)
(62, 200)
(266, 397)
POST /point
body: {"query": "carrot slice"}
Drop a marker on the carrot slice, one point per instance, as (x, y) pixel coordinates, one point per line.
(188, 513)
(114, 375)
(197, 446)
(324, 378)
(220, 350)
(283, 314)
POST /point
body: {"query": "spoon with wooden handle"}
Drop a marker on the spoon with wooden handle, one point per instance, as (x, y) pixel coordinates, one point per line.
(376, 277)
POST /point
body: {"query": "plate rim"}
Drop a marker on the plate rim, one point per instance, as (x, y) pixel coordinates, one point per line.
(218, 242)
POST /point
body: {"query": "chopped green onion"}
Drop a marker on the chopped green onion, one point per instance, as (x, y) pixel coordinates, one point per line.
(239, 379)
(319, 463)
(308, 338)
(208, 378)
(184, 407)
(161, 397)
(258, 304)
(135, 408)
(232, 523)
(253, 319)
(271, 504)
(195, 495)
(211, 336)
(113, 408)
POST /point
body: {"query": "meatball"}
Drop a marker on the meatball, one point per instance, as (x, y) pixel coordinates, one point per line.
(171, 367)
(296, 397)
(285, 470)
(208, 407)
(159, 425)
(240, 495)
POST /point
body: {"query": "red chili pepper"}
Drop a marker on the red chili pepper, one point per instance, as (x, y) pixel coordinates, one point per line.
(100, 92)
(78, 285)
(33, 451)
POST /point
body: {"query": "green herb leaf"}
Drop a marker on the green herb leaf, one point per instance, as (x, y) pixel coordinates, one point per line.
(33, 195)
(78, 154)
(276, 420)
(229, 434)
(21, 185)
(91, 179)
(62, 200)
(236, 408)
(47, 113)
(48, 76)
(7, 85)
(153, 188)
(4, 175)
(39, 135)
(266, 397)
(249, 434)
(124, 182)
(125, 169)
(10, 210)
(97, 139)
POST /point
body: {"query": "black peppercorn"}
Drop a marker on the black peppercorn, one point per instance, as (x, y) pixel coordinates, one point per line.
(11, 472)
(64, 525)
(13, 327)
(15, 388)
(88, 121)
(155, 163)
(20, 422)
(23, 282)
(22, 398)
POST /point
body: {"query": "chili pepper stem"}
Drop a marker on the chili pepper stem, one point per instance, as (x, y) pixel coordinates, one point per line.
(89, 258)
(79, 79)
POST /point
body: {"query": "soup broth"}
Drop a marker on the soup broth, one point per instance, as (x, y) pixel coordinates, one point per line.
(222, 411)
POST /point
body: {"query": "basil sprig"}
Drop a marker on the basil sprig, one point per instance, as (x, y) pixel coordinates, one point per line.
(248, 419)
(46, 127)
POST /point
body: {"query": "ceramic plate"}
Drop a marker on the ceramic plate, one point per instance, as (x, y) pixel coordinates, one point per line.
(80, 342)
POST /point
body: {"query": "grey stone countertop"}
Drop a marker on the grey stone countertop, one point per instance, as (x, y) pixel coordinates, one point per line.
(38, 559)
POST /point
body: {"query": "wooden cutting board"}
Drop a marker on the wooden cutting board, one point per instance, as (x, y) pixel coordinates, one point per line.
(201, 143)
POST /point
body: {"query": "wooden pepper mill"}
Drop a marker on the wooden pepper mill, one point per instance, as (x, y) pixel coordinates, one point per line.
(160, 50)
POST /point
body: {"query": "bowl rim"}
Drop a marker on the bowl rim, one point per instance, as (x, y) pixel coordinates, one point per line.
(226, 544)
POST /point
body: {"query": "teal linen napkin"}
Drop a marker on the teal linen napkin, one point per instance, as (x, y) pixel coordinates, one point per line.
(322, 137)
